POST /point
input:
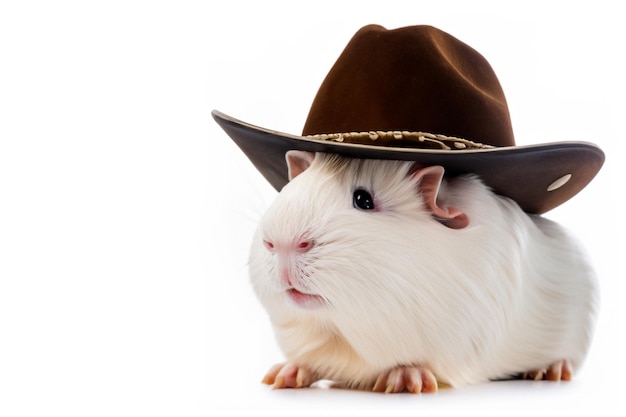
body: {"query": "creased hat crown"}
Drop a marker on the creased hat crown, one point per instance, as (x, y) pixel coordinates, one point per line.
(415, 78)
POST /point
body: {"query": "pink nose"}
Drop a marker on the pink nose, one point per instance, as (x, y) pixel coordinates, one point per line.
(298, 246)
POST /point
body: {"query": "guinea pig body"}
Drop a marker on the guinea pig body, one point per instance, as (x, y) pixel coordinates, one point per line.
(383, 273)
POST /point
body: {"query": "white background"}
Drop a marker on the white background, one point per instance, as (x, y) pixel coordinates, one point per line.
(126, 213)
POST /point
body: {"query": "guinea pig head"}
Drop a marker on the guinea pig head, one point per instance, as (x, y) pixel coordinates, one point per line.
(344, 231)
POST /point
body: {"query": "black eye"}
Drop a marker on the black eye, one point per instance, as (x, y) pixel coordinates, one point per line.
(363, 200)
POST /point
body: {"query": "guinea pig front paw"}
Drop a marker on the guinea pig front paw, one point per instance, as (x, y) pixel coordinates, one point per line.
(558, 371)
(414, 379)
(288, 375)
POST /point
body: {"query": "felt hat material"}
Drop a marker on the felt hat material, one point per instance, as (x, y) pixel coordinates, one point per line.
(419, 94)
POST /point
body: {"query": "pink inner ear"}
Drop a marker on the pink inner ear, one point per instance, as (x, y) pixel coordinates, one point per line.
(429, 182)
(298, 162)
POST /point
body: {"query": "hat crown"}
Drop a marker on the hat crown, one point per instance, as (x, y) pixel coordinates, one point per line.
(415, 78)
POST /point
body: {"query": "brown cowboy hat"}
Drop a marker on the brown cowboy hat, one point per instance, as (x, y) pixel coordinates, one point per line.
(419, 94)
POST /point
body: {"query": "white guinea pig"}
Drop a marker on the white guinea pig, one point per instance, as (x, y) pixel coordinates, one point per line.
(384, 275)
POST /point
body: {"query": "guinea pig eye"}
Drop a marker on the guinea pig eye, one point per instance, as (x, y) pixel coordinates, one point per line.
(363, 200)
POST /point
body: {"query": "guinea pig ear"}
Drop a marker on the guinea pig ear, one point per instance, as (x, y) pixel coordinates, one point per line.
(297, 162)
(429, 181)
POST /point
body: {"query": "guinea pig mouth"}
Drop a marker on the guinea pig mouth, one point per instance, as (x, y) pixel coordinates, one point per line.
(305, 300)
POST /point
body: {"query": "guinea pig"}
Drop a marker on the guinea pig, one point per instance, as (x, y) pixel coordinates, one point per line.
(389, 276)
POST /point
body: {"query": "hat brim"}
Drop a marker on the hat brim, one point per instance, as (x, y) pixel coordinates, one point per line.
(534, 176)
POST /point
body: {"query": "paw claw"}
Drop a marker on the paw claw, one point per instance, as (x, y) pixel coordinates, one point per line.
(279, 382)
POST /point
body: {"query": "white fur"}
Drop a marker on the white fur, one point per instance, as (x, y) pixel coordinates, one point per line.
(507, 294)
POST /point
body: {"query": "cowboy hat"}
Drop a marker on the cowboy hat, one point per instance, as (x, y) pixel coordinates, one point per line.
(419, 94)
